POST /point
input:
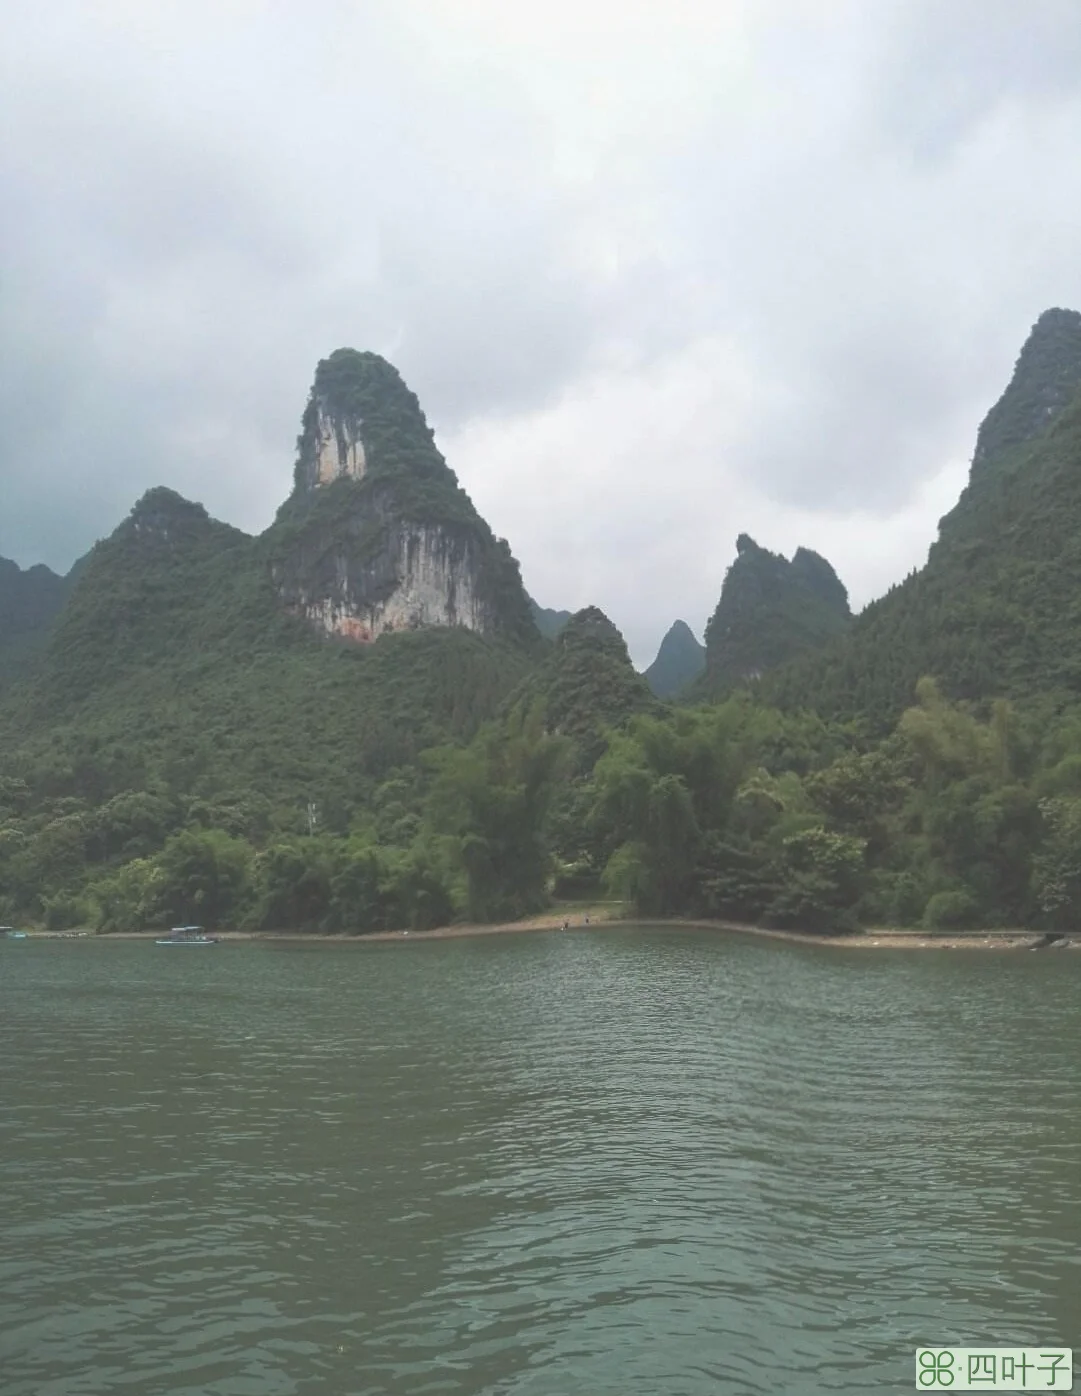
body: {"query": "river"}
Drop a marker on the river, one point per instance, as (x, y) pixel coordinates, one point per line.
(608, 1163)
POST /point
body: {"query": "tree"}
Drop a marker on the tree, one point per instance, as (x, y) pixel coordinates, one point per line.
(1057, 867)
(357, 891)
(131, 898)
(204, 877)
(292, 884)
(823, 877)
(489, 803)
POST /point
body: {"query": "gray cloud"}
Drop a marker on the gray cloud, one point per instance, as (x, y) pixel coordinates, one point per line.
(946, 68)
(657, 273)
(182, 253)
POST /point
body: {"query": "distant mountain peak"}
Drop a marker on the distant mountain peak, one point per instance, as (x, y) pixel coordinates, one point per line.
(591, 621)
(361, 416)
(378, 535)
(680, 659)
(1045, 378)
(162, 515)
(819, 575)
(548, 621)
(30, 601)
(331, 443)
(991, 613)
(587, 683)
(771, 610)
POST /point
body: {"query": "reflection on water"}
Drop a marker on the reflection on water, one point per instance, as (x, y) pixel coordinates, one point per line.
(636, 1161)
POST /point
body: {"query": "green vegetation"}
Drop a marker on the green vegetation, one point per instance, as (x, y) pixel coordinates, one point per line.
(586, 684)
(731, 810)
(547, 621)
(29, 603)
(346, 540)
(679, 661)
(770, 611)
(995, 612)
(187, 751)
(1046, 379)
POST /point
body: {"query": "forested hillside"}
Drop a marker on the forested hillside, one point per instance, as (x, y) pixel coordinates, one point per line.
(770, 611)
(548, 622)
(679, 661)
(347, 725)
(30, 601)
(995, 612)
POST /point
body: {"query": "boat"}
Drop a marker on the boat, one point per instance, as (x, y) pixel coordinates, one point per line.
(10, 933)
(187, 935)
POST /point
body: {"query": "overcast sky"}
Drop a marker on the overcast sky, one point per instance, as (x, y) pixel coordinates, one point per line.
(660, 272)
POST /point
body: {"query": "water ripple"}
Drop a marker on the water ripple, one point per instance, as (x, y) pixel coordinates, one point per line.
(535, 1166)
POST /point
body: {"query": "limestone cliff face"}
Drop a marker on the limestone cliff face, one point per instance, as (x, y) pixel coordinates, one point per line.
(378, 536)
(404, 577)
(338, 450)
(331, 444)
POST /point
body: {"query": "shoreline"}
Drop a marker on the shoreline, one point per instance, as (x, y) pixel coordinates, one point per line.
(602, 918)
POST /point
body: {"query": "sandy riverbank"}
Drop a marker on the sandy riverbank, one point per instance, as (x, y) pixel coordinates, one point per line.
(887, 939)
(606, 918)
(599, 919)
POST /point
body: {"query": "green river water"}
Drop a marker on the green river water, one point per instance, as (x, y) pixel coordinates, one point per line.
(609, 1163)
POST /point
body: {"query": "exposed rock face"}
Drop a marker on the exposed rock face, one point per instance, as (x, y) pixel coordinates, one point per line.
(772, 610)
(339, 449)
(378, 536)
(331, 445)
(421, 577)
(174, 621)
(679, 660)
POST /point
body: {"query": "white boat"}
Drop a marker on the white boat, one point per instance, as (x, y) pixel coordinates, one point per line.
(187, 935)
